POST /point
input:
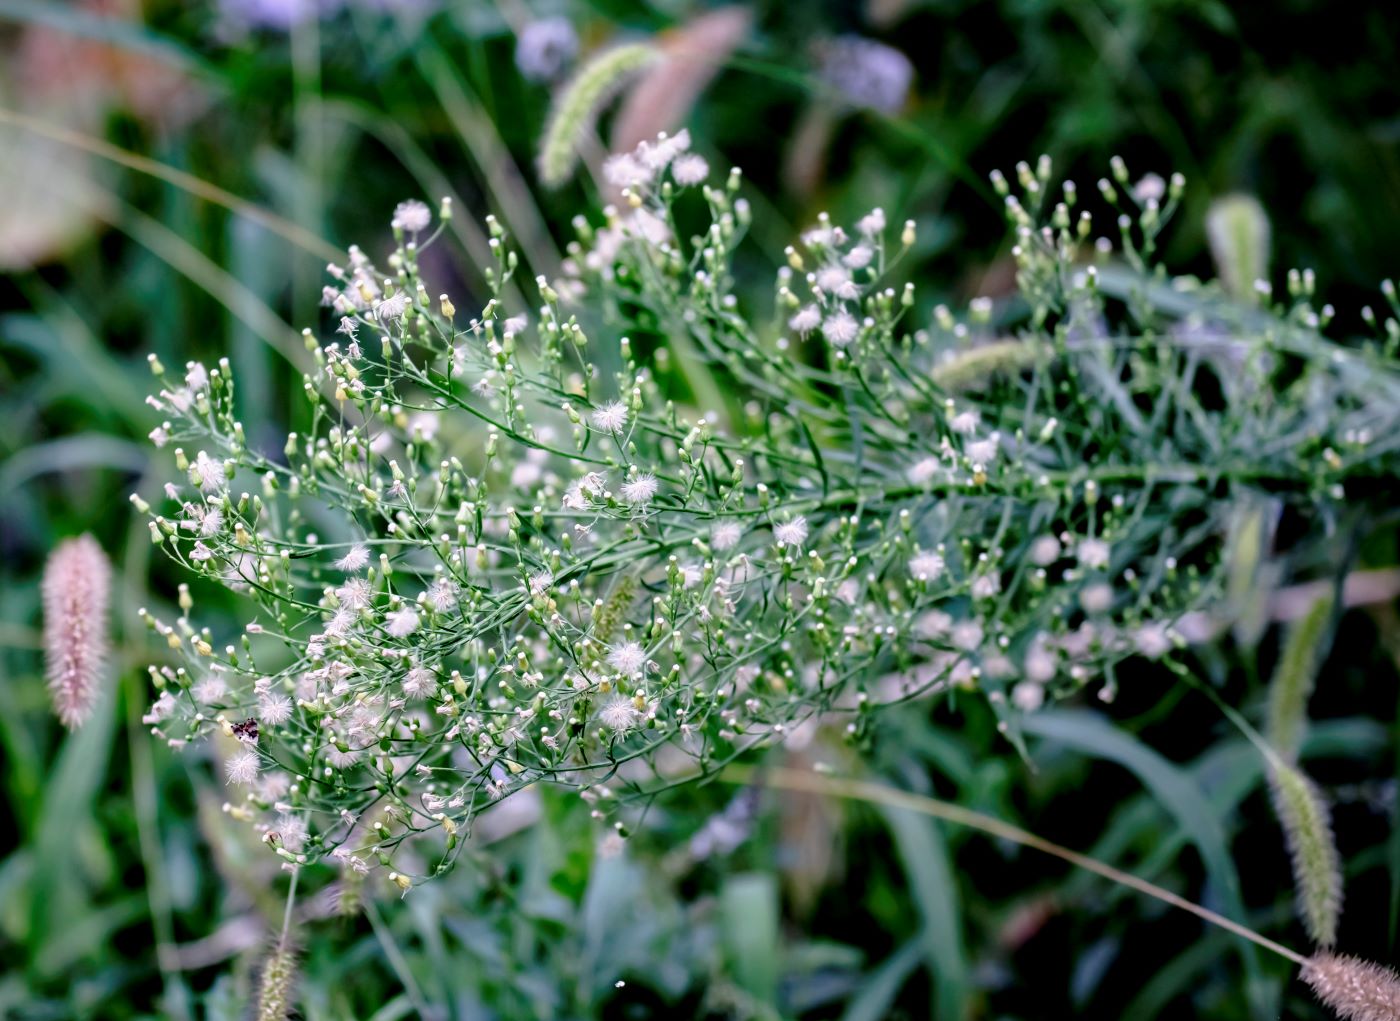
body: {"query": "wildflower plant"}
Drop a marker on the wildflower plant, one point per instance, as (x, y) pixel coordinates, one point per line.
(617, 540)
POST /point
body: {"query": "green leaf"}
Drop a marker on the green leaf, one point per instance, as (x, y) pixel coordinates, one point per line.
(935, 894)
(872, 1002)
(1184, 800)
(749, 933)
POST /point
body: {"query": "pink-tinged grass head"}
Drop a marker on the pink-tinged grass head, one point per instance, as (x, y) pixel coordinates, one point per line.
(1356, 990)
(76, 590)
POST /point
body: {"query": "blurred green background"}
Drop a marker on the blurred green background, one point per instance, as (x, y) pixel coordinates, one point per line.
(175, 177)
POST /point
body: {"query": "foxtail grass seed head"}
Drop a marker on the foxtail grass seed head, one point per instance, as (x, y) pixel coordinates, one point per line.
(1292, 683)
(277, 984)
(1238, 231)
(1354, 989)
(76, 590)
(576, 107)
(1317, 868)
(618, 585)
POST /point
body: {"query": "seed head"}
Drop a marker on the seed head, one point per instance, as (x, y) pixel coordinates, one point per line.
(75, 588)
(1357, 990)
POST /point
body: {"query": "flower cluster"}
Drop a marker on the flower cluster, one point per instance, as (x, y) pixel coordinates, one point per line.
(500, 550)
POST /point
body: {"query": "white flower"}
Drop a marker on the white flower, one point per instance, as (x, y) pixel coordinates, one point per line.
(391, 309)
(1092, 554)
(926, 566)
(418, 682)
(208, 474)
(626, 171)
(540, 583)
(1077, 644)
(443, 595)
(1041, 665)
(725, 535)
(243, 767)
(411, 216)
(211, 521)
(210, 690)
(161, 709)
(1096, 598)
(791, 533)
(402, 622)
(1150, 189)
(640, 490)
(618, 714)
(965, 422)
(628, 658)
(341, 622)
(355, 558)
(1045, 551)
(611, 417)
(923, 471)
(985, 586)
(1152, 641)
(201, 552)
(196, 377)
(806, 320)
(840, 329)
(424, 424)
(291, 830)
(160, 435)
(690, 169)
(1028, 696)
(576, 497)
(665, 149)
(835, 280)
(871, 223)
(274, 709)
(984, 451)
(967, 635)
(934, 624)
(859, 257)
(525, 474)
(355, 594)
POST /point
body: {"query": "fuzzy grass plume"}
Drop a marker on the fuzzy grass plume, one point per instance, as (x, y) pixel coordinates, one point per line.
(578, 105)
(1237, 230)
(75, 590)
(1292, 684)
(1356, 990)
(1317, 870)
(277, 983)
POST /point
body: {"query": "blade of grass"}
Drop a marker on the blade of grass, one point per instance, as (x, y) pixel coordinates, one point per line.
(878, 993)
(180, 179)
(930, 872)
